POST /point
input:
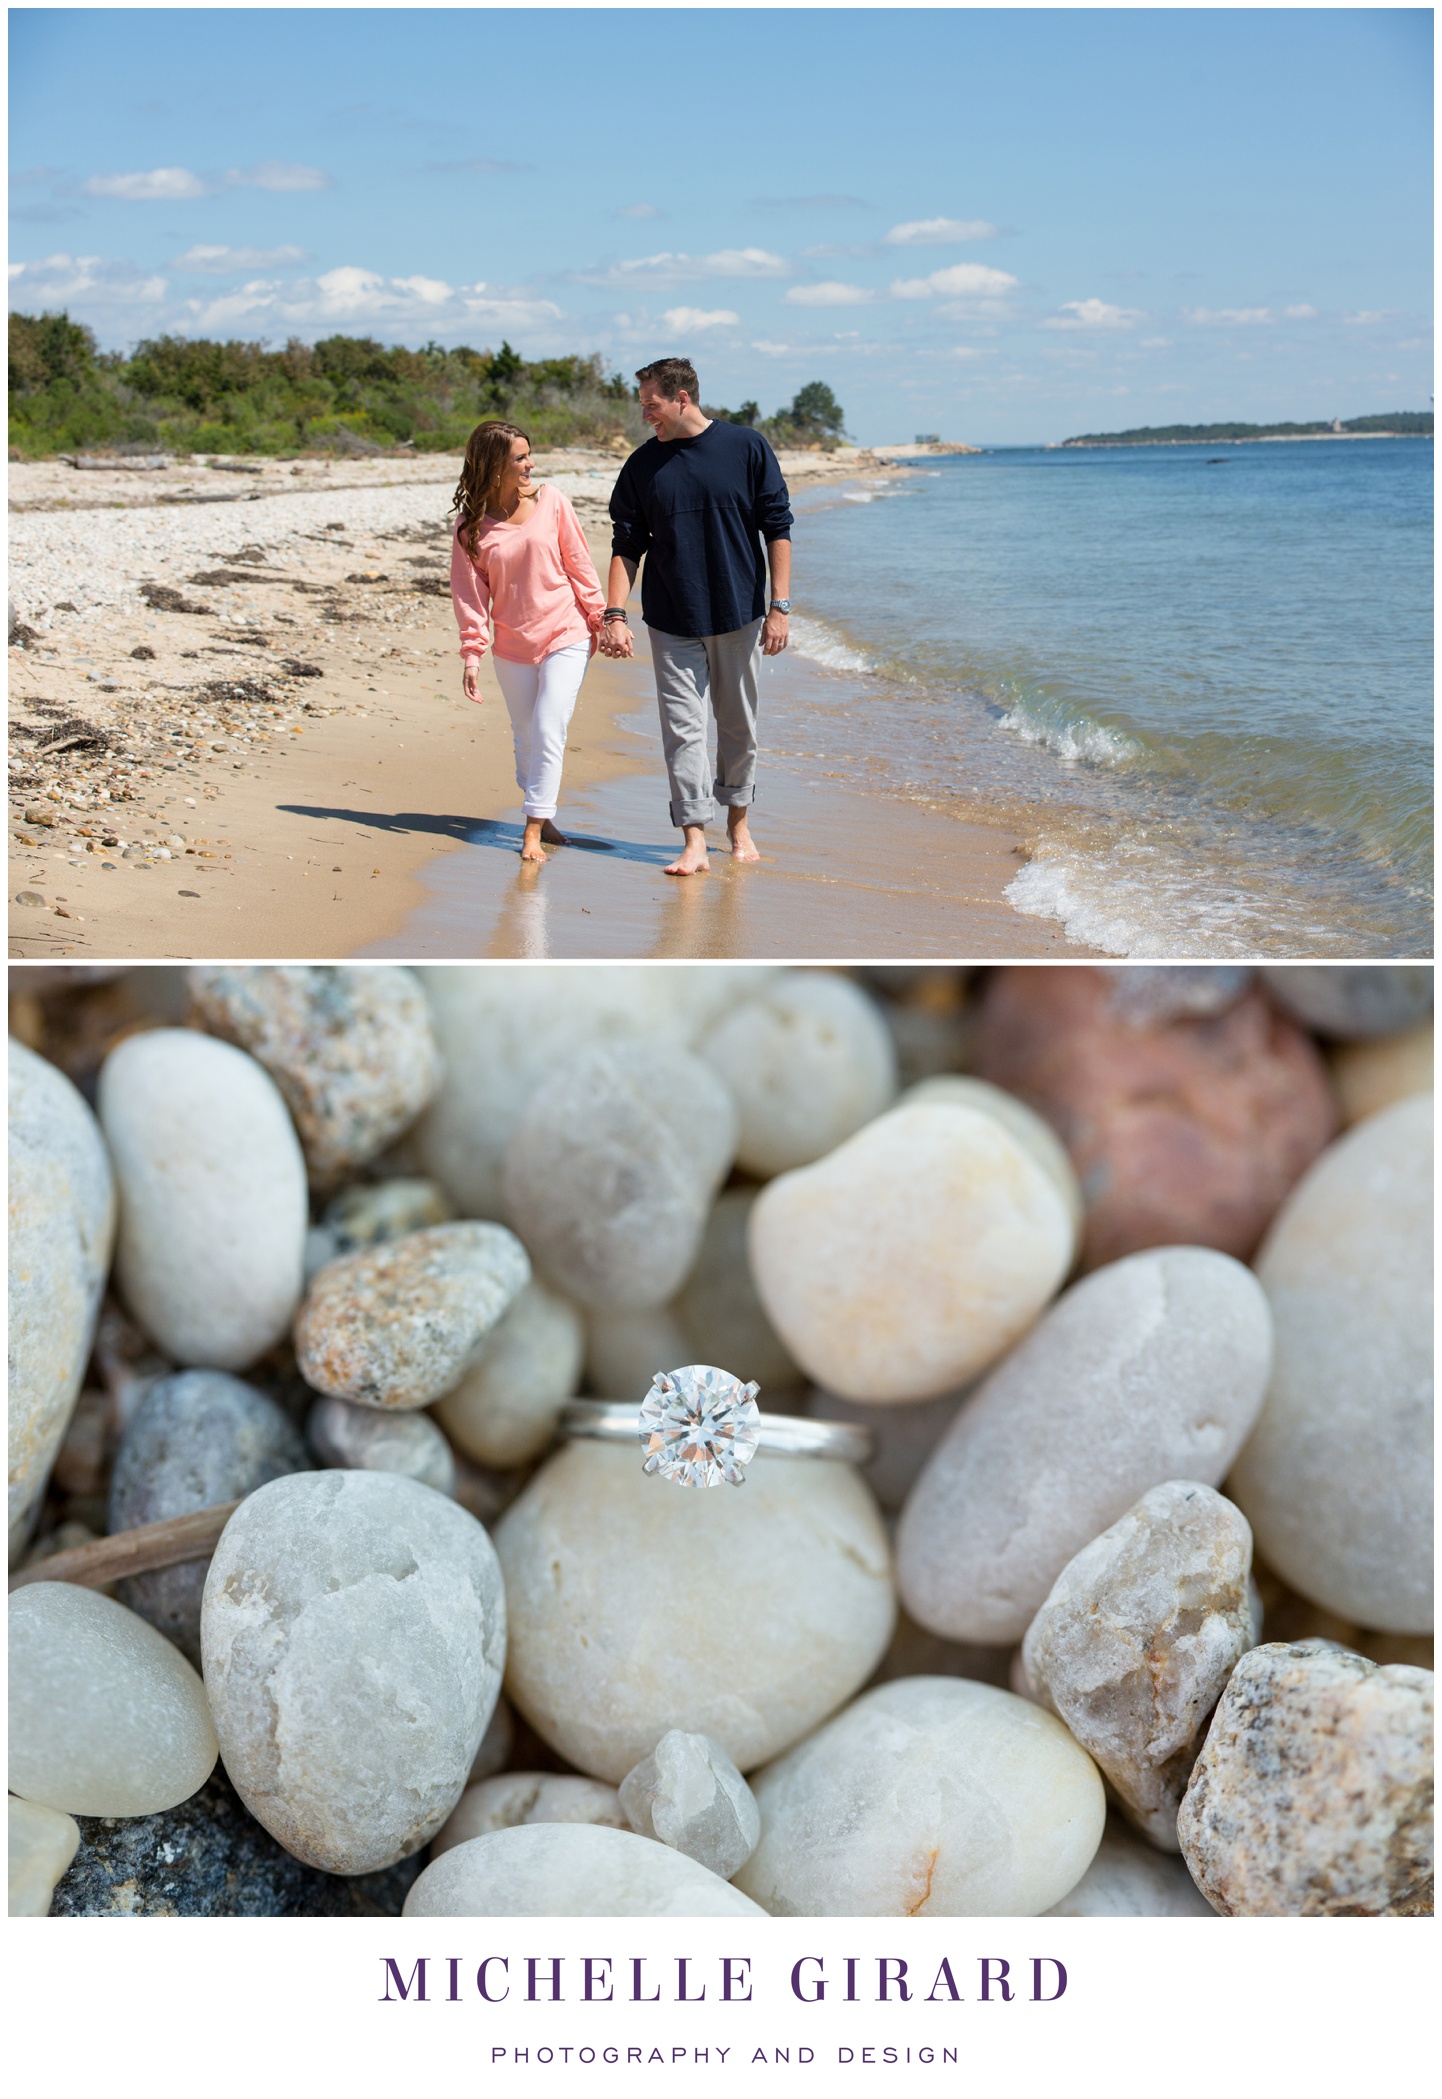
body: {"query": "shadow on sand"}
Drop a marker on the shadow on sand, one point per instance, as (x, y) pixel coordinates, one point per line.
(481, 830)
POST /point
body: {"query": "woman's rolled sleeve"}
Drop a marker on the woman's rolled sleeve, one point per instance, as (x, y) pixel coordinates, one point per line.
(471, 598)
(576, 561)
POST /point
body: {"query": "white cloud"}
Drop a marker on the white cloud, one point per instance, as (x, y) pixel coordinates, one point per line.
(691, 320)
(60, 279)
(359, 298)
(1301, 313)
(1230, 317)
(637, 211)
(1363, 319)
(160, 185)
(773, 349)
(513, 312)
(828, 294)
(1093, 313)
(1156, 342)
(938, 233)
(666, 268)
(962, 280)
(218, 261)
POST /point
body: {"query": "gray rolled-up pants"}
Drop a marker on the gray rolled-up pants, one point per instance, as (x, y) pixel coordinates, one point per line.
(692, 673)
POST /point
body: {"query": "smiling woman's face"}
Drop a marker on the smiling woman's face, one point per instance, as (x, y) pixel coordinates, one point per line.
(517, 477)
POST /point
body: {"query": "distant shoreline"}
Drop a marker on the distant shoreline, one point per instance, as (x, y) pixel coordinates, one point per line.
(1296, 437)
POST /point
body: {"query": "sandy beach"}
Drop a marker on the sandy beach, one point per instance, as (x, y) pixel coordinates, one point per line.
(254, 704)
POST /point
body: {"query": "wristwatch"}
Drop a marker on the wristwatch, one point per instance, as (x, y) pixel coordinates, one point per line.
(781, 604)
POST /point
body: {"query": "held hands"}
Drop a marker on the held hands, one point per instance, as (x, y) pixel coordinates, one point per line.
(471, 683)
(775, 634)
(615, 639)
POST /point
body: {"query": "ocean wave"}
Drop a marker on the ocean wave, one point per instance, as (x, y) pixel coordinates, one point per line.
(1134, 903)
(823, 645)
(1072, 738)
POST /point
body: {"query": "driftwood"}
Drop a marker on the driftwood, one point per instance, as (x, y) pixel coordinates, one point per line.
(146, 463)
(105, 1560)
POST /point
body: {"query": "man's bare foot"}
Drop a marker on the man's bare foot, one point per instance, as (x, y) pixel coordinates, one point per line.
(743, 845)
(693, 859)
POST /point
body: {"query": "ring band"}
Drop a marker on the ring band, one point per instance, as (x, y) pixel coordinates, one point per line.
(787, 1435)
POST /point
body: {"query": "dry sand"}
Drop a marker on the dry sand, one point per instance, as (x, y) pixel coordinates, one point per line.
(217, 798)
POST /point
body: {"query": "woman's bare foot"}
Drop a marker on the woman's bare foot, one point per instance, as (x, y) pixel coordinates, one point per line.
(693, 859)
(531, 846)
(743, 845)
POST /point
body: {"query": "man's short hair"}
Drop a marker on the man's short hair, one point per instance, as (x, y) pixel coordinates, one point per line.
(672, 376)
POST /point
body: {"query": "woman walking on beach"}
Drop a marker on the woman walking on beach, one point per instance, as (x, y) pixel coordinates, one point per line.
(519, 558)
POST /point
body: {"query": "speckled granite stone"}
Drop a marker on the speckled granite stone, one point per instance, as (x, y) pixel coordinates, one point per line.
(209, 1858)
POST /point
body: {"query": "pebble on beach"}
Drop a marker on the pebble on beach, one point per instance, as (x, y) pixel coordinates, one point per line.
(723, 1319)
(106, 1716)
(689, 1794)
(1030, 1131)
(1131, 1878)
(1135, 1643)
(1312, 1796)
(1370, 1076)
(928, 1797)
(519, 1798)
(1353, 1004)
(503, 1027)
(351, 1048)
(213, 1197)
(570, 1869)
(1188, 1131)
(612, 1169)
(1336, 1477)
(807, 1062)
(62, 1226)
(372, 1212)
(1152, 1369)
(42, 1844)
(195, 1440)
(209, 1858)
(612, 1585)
(354, 1633)
(401, 1323)
(372, 1439)
(902, 1438)
(504, 1410)
(909, 1259)
(624, 1350)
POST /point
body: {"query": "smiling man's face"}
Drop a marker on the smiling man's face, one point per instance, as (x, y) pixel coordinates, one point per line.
(665, 417)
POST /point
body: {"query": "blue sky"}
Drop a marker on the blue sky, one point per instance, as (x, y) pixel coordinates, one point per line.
(1005, 225)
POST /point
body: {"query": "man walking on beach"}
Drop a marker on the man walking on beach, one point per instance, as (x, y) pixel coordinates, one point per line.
(697, 501)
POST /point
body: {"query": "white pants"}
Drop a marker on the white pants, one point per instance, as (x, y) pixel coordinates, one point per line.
(540, 699)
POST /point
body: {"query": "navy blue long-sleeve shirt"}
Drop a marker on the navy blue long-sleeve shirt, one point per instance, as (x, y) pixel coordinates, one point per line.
(701, 511)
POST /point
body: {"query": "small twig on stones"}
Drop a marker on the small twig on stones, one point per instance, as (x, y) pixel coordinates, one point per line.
(179, 1538)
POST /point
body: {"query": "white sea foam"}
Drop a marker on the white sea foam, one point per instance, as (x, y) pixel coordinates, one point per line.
(1086, 740)
(823, 645)
(1134, 902)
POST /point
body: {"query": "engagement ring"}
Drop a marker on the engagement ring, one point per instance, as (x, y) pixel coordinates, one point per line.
(700, 1426)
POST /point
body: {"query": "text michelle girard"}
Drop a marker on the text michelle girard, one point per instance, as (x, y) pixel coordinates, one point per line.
(594, 1979)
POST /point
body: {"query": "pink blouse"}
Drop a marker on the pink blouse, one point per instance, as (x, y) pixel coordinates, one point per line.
(536, 580)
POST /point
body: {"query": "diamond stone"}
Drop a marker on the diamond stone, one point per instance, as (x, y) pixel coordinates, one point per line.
(700, 1426)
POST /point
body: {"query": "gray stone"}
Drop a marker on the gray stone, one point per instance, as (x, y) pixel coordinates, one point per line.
(62, 1225)
(636, 1606)
(369, 1439)
(570, 1869)
(1353, 1004)
(624, 1350)
(687, 1793)
(400, 1324)
(106, 1717)
(496, 1744)
(372, 1212)
(902, 1437)
(212, 1196)
(723, 1319)
(1148, 1370)
(210, 1858)
(1336, 1477)
(612, 1169)
(909, 1259)
(350, 1047)
(1312, 1796)
(520, 1798)
(928, 1797)
(807, 1061)
(354, 1635)
(1134, 1645)
(1131, 1878)
(195, 1440)
(1149, 997)
(504, 1410)
(503, 1027)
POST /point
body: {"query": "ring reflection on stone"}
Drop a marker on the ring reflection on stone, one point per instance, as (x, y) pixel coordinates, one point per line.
(699, 1426)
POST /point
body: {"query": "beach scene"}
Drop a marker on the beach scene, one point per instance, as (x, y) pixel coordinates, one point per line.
(1110, 620)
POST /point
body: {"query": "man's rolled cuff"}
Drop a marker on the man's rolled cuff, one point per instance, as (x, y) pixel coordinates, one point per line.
(734, 797)
(694, 812)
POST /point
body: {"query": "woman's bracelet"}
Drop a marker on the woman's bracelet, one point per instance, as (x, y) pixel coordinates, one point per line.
(613, 612)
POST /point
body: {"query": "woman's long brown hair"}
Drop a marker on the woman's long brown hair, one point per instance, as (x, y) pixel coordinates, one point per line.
(488, 454)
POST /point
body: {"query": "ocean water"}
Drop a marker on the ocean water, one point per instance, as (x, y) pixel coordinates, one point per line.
(1197, 679)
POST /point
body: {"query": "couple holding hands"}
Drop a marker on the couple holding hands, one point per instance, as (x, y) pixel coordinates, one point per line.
(697, 502)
